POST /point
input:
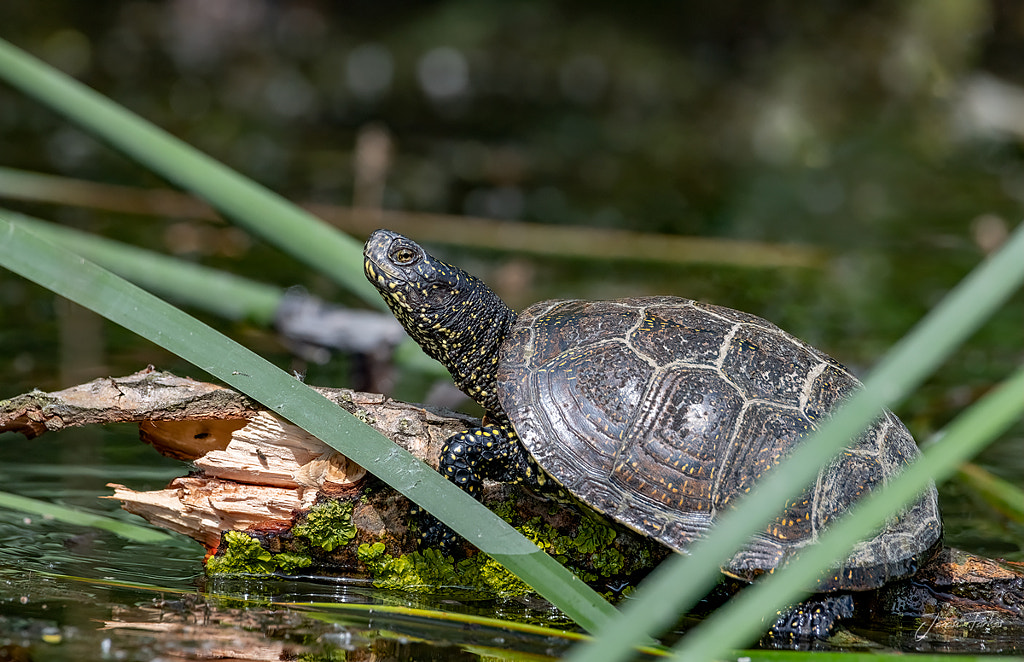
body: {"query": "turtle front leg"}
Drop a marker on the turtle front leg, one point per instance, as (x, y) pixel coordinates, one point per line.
(467, 459)
(491, 452)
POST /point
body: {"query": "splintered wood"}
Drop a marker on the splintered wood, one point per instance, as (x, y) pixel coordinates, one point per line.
(254, 470)
(253, 475)
(257, 473)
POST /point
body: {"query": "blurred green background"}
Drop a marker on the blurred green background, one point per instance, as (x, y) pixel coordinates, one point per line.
(886, 135)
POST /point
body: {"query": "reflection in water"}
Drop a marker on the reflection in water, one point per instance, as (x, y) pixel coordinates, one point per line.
(728, 124)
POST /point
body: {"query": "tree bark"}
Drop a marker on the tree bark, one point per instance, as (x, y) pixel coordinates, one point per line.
(266, 497)
(308, 506)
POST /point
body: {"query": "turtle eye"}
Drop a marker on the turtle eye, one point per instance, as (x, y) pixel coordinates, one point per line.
(403, 255)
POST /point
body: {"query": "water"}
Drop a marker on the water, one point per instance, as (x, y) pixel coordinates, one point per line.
(68, 592)
(729, 124)
(72, 593)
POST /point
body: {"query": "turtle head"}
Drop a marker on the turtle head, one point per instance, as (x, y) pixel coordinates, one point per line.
(454, 316)
(420, 289)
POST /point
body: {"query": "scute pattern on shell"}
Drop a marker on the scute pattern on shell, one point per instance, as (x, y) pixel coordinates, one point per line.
(661, 412)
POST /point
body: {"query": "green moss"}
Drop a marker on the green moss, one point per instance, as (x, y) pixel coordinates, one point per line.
(328, 525)
(364, 416)
(609, 561)
(245, 556)
(593, 536)
(331, 655)
(425, 571)
(289, 562)
(428, 570)
(487, 572)
(408, 571)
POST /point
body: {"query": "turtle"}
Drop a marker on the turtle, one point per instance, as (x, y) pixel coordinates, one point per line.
(657, 412)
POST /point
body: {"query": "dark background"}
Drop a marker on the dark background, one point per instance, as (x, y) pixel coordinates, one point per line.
(887, 134)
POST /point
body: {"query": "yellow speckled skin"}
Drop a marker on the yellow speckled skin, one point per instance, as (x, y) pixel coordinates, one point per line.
(455, 318)
(659, 412)
(460, 322)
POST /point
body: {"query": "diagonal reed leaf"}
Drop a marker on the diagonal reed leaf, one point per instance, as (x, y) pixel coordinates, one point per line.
(245, 202)
(681, 580)
(740, 620)
(218, 292)
(73, 277)
(186, 283)
(77, 517)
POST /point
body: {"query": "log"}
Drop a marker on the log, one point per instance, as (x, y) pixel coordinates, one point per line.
(265, 497)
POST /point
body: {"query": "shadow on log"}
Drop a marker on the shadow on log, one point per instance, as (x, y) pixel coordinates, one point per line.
(265, 497)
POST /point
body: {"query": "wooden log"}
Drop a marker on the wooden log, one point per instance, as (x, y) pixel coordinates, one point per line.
(268, 497)
(265, 497)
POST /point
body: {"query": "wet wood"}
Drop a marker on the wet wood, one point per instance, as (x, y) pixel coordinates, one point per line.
(145, 395)
(257, 473)
(957, 602)
(254, 470)
(203, 508)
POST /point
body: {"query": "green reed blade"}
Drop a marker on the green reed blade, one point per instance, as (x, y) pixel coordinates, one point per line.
(88, 285)
(261, 211)
(682, 580)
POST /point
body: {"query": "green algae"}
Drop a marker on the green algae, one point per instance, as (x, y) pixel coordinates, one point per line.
(589, 553)
(244, 555)
(429, 571)
(328, 525)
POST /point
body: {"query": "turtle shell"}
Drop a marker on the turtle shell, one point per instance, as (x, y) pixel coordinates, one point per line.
(662, 412)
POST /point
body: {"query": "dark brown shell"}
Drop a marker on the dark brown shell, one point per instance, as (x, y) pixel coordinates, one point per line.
(661, 412)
